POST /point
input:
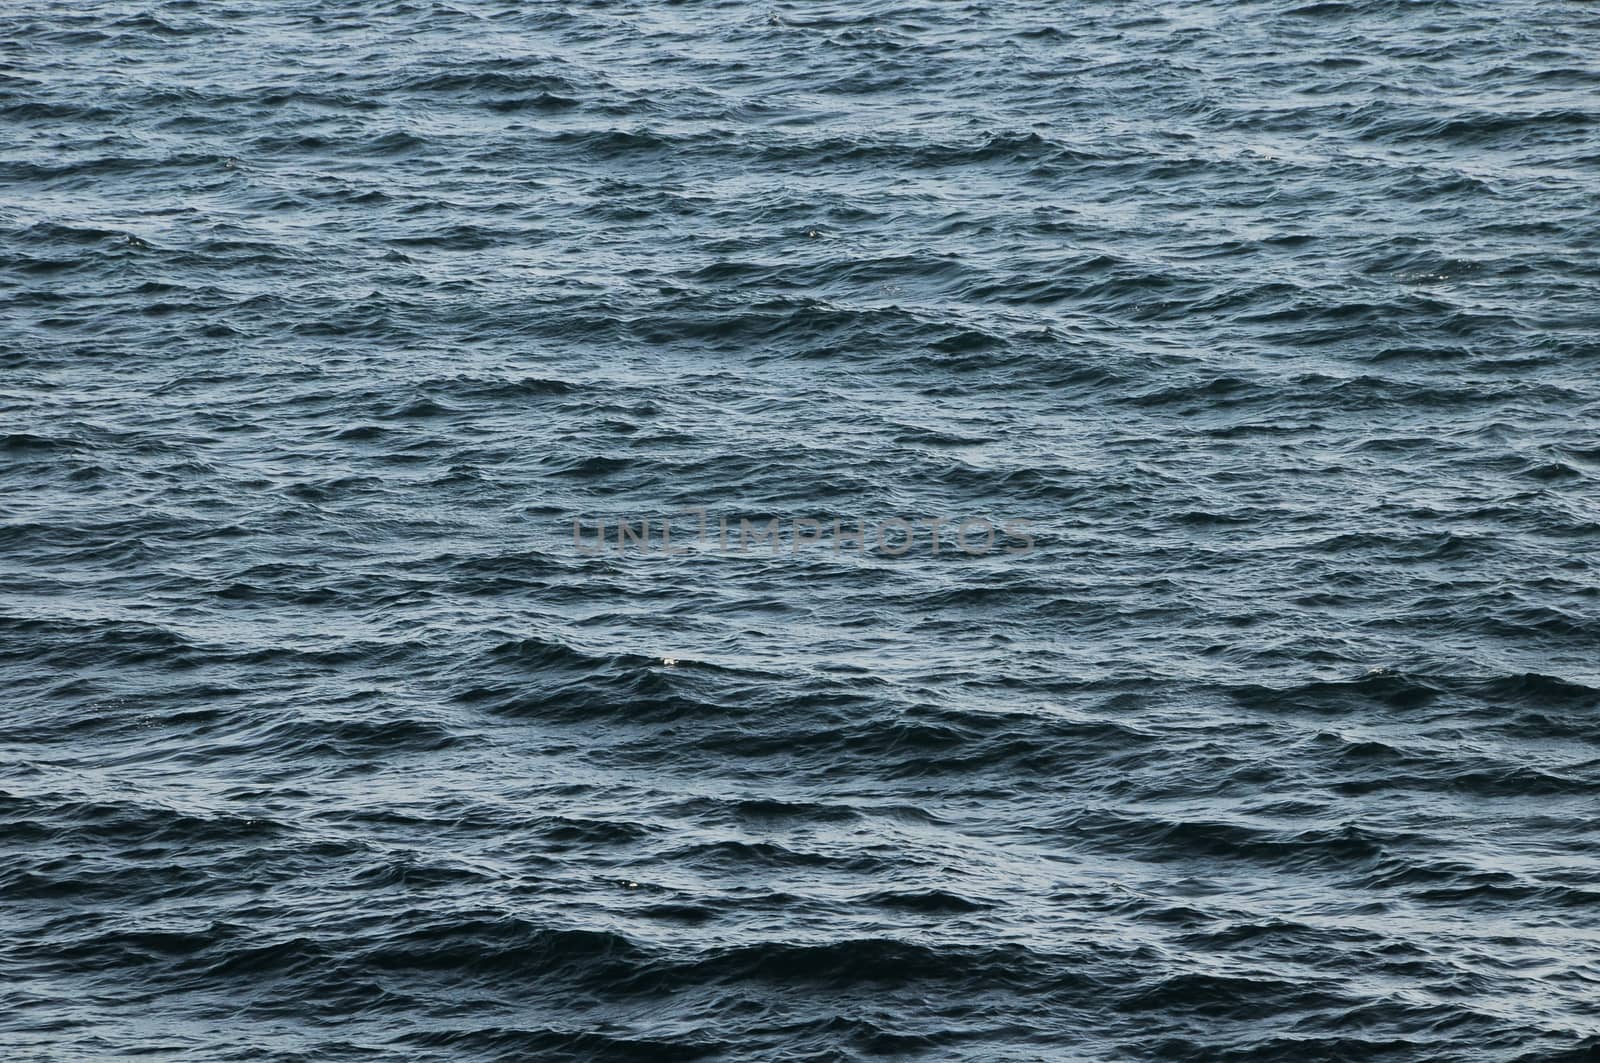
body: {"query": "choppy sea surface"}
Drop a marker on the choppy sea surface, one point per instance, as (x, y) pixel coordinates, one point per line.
(1273, 734)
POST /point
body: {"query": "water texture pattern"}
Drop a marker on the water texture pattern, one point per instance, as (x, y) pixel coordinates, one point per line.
(1279, 325)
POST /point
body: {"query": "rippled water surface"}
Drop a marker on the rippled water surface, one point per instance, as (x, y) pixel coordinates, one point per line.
(1274, 735)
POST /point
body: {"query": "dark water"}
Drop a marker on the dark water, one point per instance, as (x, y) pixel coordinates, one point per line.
(1271, 734)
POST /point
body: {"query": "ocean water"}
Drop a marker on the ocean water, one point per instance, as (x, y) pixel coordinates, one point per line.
(358, 360)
